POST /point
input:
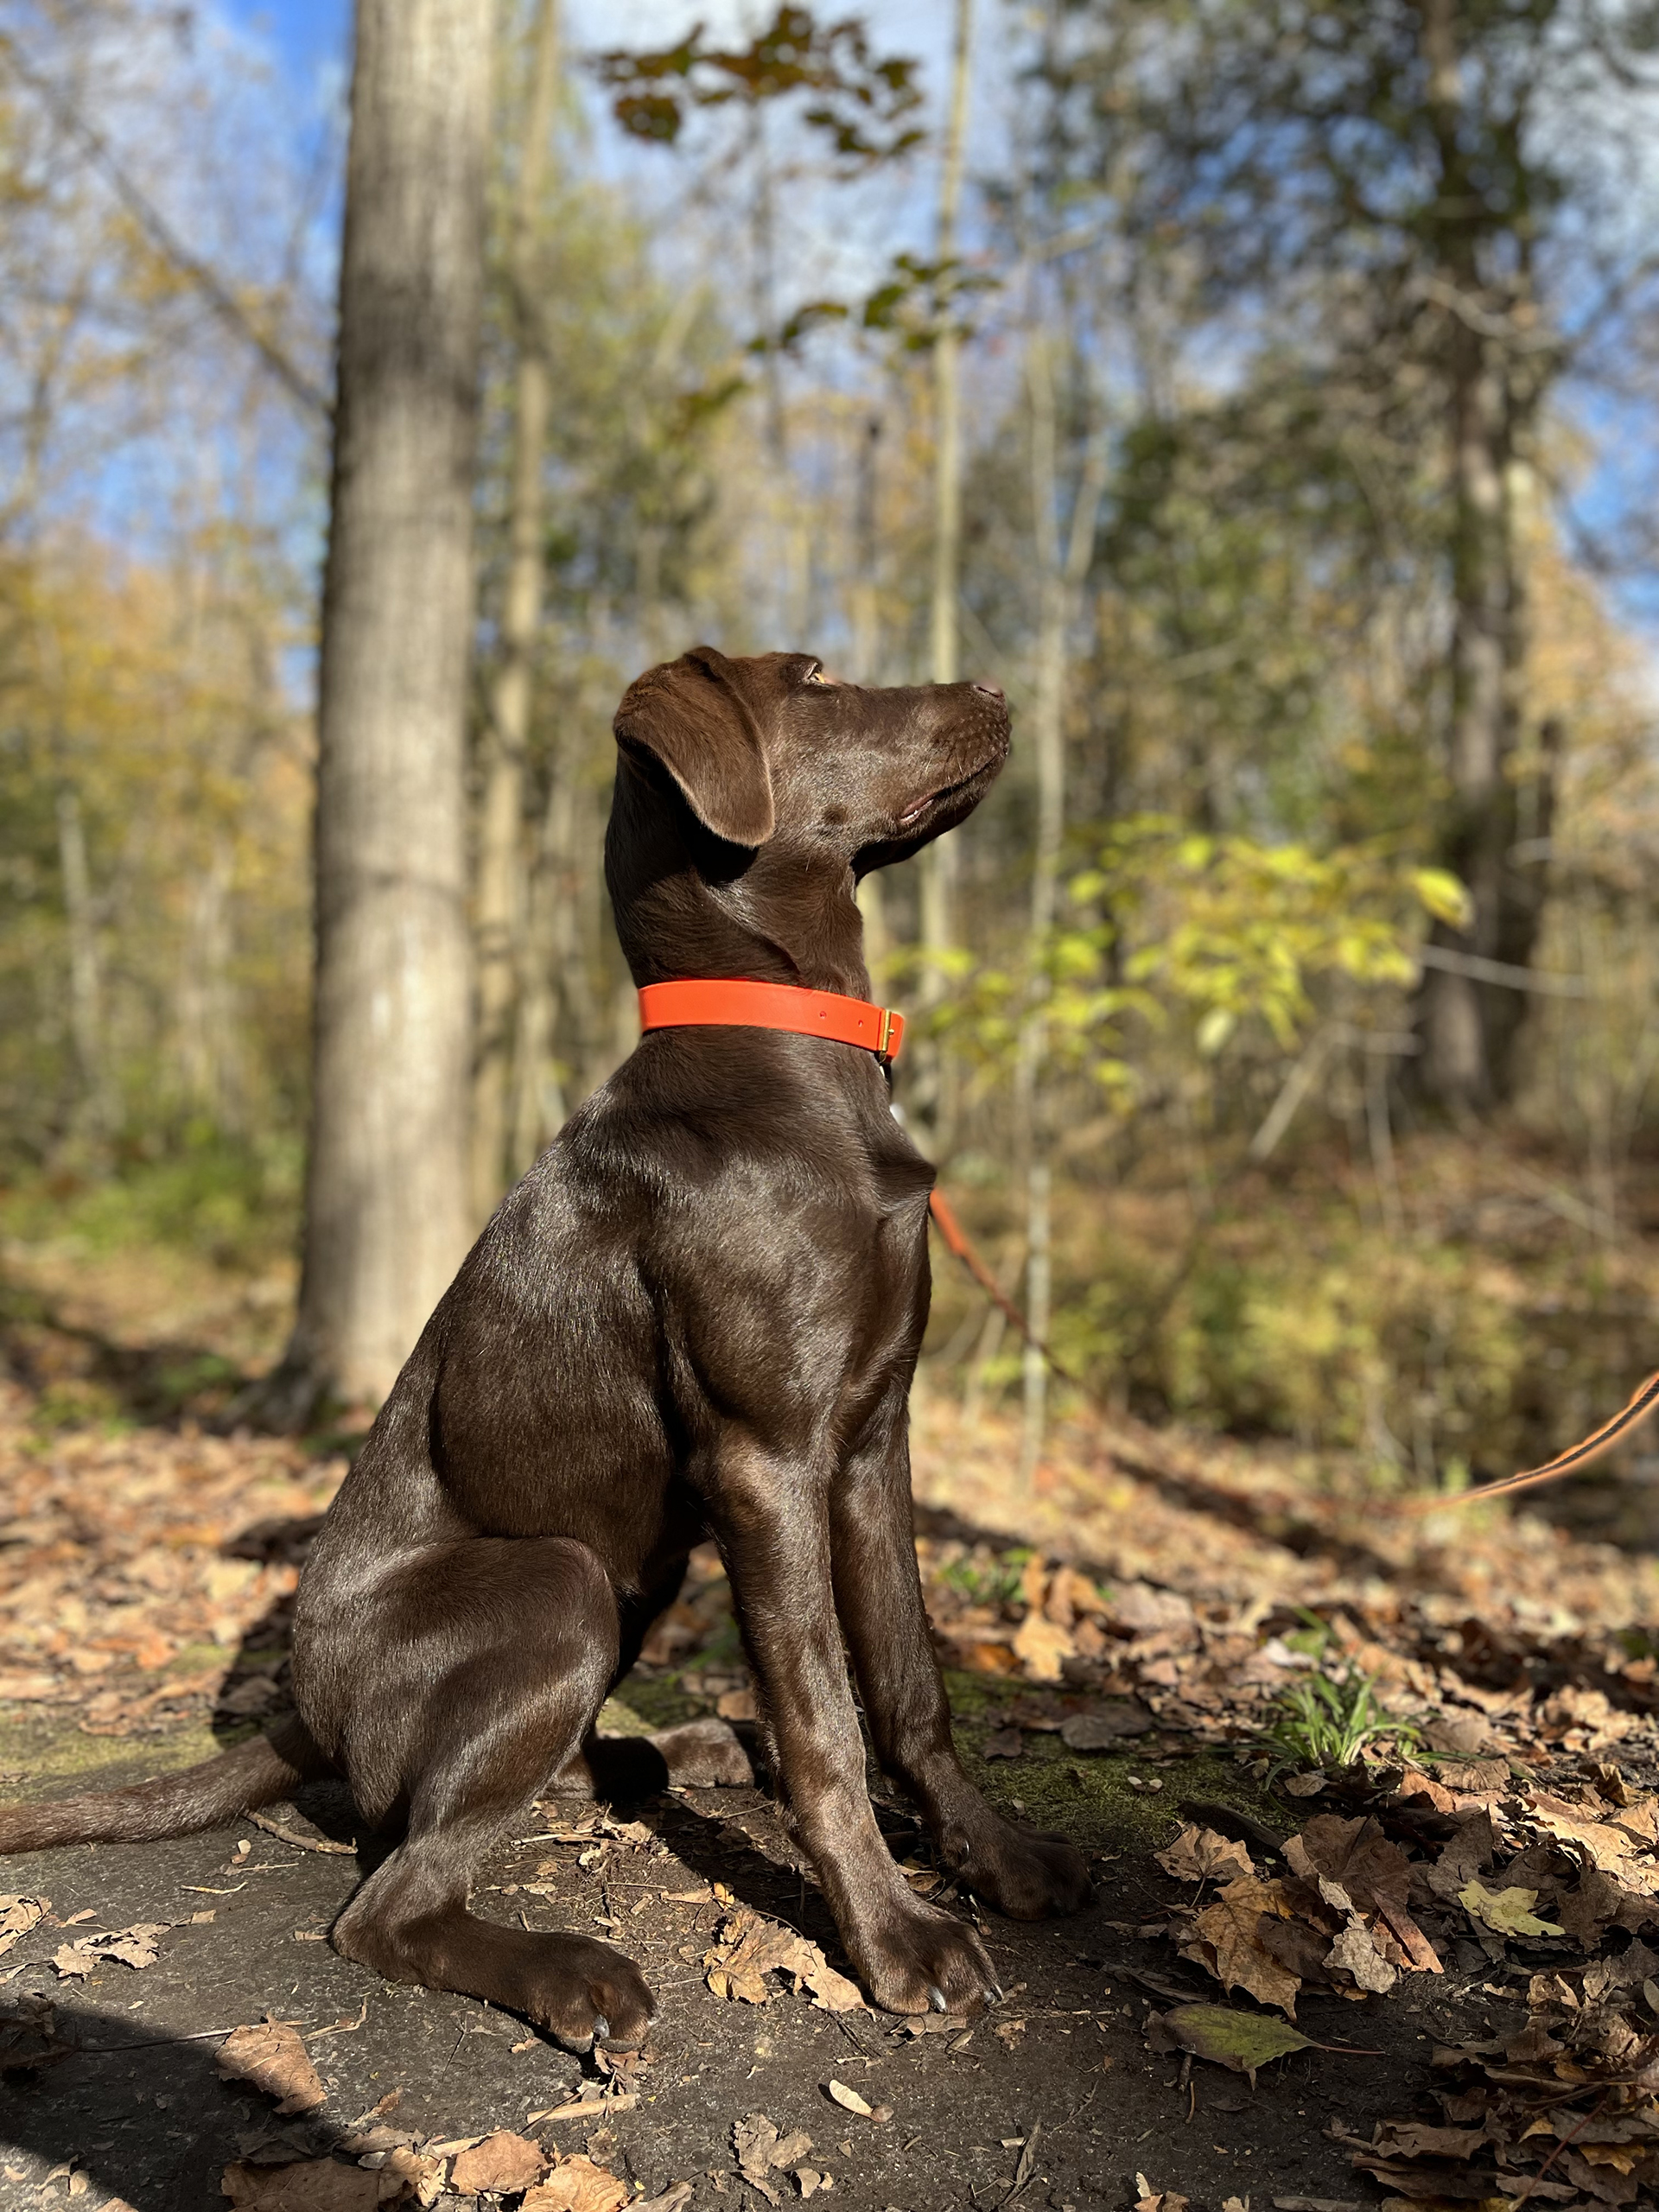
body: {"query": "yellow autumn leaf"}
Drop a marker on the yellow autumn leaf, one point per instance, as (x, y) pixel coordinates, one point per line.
(1506, 1912)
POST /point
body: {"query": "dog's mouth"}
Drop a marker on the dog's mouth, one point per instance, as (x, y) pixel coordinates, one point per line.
(944, 793)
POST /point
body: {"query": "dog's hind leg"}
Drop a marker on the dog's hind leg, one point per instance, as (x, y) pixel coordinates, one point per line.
(490, 1659)
(695, 1754)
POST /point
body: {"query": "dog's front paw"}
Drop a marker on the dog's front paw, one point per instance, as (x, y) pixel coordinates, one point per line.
(916, 1959)
(583, 1992)
(1024, 1872)
(702, 1754)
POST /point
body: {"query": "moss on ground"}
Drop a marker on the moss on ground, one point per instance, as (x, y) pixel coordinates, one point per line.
(659, 1702)
(1087, 1796)
(41, 1752)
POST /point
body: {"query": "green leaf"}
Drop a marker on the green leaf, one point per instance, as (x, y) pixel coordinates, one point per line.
(1506, 1912)
(1239, 2041)
(1446, 899)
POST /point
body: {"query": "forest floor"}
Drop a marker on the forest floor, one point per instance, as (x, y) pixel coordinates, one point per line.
(1321, 1971)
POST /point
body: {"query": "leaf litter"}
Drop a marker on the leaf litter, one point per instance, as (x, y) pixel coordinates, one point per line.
(1158, 1594)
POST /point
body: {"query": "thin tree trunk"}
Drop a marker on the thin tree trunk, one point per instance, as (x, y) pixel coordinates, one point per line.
(499, 914)
(865, 600)
(387, 1203)
(92, 1116)
(940, 862)
(1061, 570)
(207, 1025)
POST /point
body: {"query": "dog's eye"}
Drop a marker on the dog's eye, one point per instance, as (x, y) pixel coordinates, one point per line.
(815, 674)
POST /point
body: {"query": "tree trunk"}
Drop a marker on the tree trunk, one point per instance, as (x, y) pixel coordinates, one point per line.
(499, 911)
(387, 1210)
(1468, 1026)
(939, 862)
(92, 1117)
(1061, 568)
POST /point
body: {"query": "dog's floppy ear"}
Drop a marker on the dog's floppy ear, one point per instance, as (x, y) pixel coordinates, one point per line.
(691, 714)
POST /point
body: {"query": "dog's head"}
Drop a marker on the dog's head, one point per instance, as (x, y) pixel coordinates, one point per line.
(772, 750)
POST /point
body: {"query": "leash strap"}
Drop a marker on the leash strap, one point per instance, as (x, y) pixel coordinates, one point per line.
(1643, 1404)
(732, 1003)
(1644, 1401)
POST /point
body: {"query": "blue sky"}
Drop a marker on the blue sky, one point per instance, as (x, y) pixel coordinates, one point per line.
(310, 35)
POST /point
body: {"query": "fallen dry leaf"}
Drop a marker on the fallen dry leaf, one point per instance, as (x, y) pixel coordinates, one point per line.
(673, 2197)
(749, 1948)
(1199, 1854)
(1158, 2200)
(501, 2162)
(1239, 2041)
(18, 1916)
(1042, 1645)
(1229, 1945)
(1104, 1724)
(308, 2185)
(408, 2172)
(132, 1947)
(1506, 1912)
(762, 2152)
(272, 2057)
(1355, 1953)
(848, 2100)
(30, 2037)
(1356, 1868)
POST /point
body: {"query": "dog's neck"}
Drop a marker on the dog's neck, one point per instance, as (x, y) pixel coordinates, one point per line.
(688, 903)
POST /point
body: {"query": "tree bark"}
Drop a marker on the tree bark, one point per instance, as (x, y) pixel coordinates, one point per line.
(499, 911)
(1061, 568)
(93, 1117)
(939, 862)
(387, 1211)
(1468, 1027)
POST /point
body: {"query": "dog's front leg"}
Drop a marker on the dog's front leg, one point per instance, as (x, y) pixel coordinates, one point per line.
(1021, 1872)
(771, 1517)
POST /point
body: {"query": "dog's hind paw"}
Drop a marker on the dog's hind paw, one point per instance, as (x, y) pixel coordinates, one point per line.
(1024, 1872)
(703, 1754)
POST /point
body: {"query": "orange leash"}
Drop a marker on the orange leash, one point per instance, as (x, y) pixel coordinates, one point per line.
(1594, 1446)
(1602, 1441)
(958, 1241)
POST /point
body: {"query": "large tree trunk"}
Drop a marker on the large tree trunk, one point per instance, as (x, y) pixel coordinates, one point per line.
(500, 912)
(1468, 1024)
(387, 1211)
(939, 863)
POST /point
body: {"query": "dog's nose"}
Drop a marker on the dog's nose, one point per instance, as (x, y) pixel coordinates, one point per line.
(991, 690)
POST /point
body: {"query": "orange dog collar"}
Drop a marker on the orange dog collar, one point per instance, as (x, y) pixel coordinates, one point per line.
(741, 1005)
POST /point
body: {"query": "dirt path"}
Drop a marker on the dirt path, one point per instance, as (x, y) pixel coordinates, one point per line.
(1461, 1917)
(1061, 2070)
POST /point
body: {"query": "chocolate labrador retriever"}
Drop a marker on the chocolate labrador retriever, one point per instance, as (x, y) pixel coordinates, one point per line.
(696, 1316)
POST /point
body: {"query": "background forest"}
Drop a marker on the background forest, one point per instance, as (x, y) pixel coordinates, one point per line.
(1264, 394)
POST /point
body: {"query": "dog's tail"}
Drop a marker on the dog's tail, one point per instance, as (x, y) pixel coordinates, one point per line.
(254, 1773)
